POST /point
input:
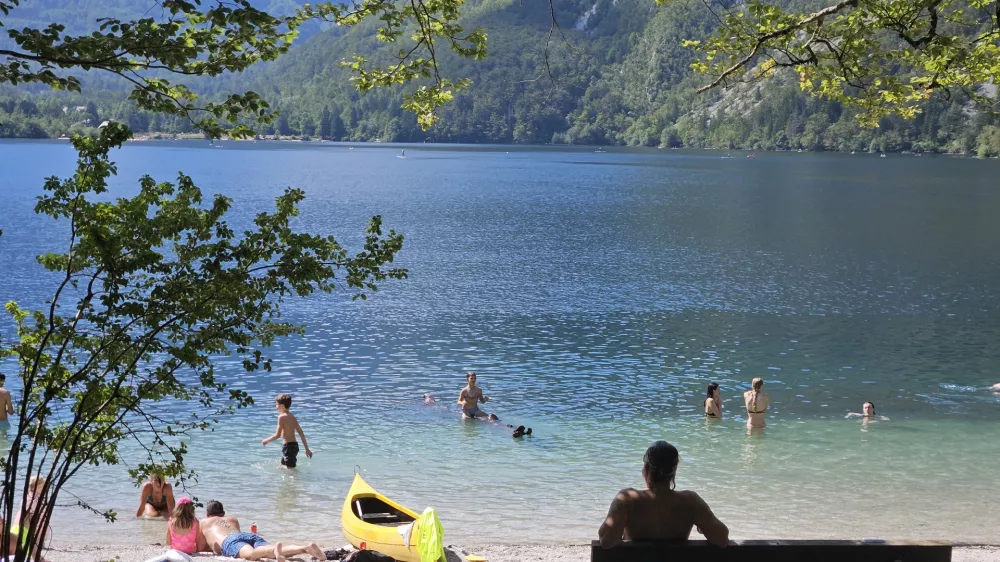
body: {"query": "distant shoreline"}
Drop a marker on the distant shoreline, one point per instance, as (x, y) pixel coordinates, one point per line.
(742, 152)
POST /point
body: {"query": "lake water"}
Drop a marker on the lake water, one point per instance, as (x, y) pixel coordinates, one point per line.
(596, 294)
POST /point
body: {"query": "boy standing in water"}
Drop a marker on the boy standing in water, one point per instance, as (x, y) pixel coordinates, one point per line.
(469, 399)
(287, 427)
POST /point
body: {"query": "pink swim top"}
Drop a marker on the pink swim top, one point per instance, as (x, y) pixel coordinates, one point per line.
(186, 543)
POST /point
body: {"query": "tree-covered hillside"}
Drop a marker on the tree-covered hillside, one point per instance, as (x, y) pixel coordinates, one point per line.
(601, 72)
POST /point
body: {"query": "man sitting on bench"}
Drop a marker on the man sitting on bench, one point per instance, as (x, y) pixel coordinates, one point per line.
(660, 512)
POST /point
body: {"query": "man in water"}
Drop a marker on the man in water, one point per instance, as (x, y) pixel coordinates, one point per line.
(470, 397)
(222, 534)
(6, 407)
(996, 387)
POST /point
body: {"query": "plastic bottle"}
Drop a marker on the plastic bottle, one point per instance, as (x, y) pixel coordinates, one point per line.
(253, 527)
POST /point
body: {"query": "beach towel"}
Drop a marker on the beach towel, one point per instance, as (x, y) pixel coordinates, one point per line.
(171, 556)
(430, 536)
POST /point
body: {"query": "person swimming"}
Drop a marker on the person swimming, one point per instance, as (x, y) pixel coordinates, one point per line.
(757, 403)
(713, 403)
(867, 413)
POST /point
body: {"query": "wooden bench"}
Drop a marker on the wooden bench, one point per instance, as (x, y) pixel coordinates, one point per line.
(775, 551)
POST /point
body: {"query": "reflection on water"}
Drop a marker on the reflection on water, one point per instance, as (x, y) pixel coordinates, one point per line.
(596, 302)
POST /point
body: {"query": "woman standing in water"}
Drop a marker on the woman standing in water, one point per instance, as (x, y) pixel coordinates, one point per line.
(713, 403)
(757, 403)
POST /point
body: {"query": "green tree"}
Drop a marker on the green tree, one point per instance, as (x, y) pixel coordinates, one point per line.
(155, 286)
(988, 143)
(326, 124)
(881, 56)
(195, 38)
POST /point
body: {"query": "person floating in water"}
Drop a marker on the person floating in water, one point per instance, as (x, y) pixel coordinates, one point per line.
(996, 387)
(470, 397)
(713, 403)
(867, 413)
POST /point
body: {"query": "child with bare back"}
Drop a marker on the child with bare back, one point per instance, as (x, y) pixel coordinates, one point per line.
(288, 426)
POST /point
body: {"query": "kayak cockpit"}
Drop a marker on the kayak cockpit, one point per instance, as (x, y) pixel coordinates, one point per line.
(374, 511)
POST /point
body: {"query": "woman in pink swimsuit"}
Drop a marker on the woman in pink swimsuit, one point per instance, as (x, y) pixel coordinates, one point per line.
(183, 531)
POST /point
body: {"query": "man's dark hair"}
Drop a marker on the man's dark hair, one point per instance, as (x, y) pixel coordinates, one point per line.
(660, 462)
(285, 400)
(214, 509)
(3, 377)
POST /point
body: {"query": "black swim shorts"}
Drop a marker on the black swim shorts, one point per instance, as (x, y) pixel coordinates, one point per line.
(289, 451)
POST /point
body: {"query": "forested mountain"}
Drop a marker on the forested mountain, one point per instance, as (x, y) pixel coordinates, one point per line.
(609, 72)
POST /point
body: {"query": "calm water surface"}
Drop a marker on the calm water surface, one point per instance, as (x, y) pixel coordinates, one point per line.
(596, 294)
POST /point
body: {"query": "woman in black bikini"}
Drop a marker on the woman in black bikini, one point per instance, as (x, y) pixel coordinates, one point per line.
(713, 403)
(156, 498)
(757, 403)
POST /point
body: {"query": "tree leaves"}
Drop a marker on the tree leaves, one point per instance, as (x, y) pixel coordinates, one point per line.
(164, 286)
(882, 56)
(194, 40)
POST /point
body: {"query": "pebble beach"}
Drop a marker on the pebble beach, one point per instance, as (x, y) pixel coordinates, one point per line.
(492, 552)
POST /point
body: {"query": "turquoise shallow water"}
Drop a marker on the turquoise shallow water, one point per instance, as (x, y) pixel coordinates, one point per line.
(596, 294)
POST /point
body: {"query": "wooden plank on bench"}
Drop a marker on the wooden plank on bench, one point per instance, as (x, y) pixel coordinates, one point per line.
(775, 551)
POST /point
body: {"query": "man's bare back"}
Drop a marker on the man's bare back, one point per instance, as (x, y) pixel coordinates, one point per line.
(663, 515)
(216, 529)
(6, 407)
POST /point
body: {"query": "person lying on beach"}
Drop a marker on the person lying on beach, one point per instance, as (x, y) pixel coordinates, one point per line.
(660, 512)
(156, 499)
(288, 426)
(223, 536)
(183, 532)
(713, 403)
(868, 413)
(470, 397)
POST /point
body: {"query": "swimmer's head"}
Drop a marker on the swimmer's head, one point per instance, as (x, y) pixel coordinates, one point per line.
(868, 409)
(470, 377)
(757, 384)
(428, 399)
(713, 387)
(659, 465)
(493, 417)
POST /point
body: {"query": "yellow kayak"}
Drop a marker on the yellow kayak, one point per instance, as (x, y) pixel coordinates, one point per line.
(371, 521)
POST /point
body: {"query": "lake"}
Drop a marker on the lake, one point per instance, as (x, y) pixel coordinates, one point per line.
(596, 294)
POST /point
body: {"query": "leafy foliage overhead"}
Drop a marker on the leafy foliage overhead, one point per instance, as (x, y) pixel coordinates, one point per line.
(883, 56)
(187, 38)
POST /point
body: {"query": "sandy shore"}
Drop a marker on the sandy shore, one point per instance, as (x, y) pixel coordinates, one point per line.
(492, 552)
